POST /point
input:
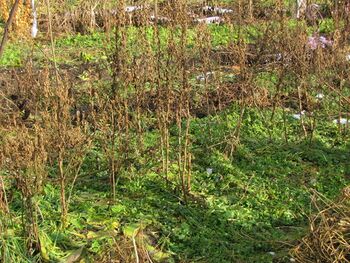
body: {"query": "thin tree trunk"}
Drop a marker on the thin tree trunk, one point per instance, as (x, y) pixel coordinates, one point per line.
(7, 26)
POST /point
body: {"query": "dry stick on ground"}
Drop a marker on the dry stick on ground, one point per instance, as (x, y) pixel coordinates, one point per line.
(7, 26)
(3, 197)
(137, 259)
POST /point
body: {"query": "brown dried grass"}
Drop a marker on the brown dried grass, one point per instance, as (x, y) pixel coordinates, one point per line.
(328, 240)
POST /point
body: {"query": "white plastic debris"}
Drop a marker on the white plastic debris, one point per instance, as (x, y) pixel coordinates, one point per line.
(312, 42)
(130, 9)
(208, 8)
(161, 19)
(278, 56)
(319, 96)
(35, 20)
(324, 42)
(342, 121)
(210, 20)
(217, 10)
(205, 76)
(316, 41)
(209, 171)
(298, 115)
(272, 253)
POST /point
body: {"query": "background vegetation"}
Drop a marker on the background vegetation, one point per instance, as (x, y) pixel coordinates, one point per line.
(152, 135)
